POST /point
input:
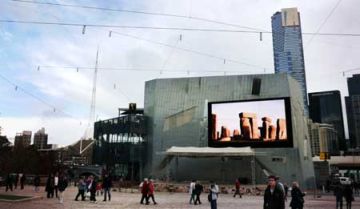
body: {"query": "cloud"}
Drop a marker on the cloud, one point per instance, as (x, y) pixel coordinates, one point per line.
(29, 46)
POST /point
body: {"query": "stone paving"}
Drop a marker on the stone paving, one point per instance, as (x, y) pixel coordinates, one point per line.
(165, 200)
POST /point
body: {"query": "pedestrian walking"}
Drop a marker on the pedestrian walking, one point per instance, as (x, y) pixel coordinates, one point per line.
(62, 184)
(151, 192)
(22, 181)
(297, 197)
(81, 189)
(198, 190)
(92, 189)
(339, 194)
(56, 184)
(9, 183)
(144, 187)
(16, 180)
(237, 188)
(349, 196)
(36, 183)
(49, 188)
(191, 192)
(274, 195)
(213, 196)
(107, 184)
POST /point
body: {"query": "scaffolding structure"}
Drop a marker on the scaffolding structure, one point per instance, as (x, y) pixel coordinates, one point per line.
(120, 145)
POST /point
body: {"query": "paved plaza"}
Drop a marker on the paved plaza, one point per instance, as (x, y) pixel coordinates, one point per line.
(165, 200)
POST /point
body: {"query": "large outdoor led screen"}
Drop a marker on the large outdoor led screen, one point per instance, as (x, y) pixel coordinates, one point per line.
(255, 123)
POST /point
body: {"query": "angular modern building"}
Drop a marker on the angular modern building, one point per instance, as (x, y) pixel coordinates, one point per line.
(325, 107)
(288, 47)
(259, 129)
(353, 110)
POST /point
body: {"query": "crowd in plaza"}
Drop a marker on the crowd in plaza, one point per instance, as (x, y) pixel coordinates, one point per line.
(275, 194)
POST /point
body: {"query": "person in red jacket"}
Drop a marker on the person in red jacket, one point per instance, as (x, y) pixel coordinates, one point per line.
(144, 186)
(151, 192)
(237, 188)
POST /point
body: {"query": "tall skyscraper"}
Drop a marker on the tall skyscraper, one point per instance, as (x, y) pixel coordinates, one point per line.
(40, 139)
(23, 139)
(288, 47)
(353, 109)
(325, 107)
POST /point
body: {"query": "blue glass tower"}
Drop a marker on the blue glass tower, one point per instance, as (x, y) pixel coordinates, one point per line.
(288, 47)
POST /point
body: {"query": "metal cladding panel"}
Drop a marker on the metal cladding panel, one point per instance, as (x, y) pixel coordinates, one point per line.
(169, 101)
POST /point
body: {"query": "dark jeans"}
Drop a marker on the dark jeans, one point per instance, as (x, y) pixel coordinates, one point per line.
(107, 191)
(197, 200)
(237, 191)
(82, 193)
(92, 195)
(339, 202)
(192, 198)
(348, 205)
(56, 191)
(152, 197)
(50, 193)
(9, 186)
(144, 197)
(22, 185)
(213, 204)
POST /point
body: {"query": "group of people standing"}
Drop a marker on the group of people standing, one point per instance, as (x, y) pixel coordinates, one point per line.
(55, 184)
(12, 182)
(343, 191)
(275, 195)
(90, 185)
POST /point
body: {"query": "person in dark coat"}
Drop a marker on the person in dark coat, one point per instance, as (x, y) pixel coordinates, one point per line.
(107, 184)
(16, 180)
(36, 183)
(339, 194)
(22, 181)
(62, 184)
(349, 196)
(92, 188)
(297, 197)
(9, 183)
(198, 189)
(144, 186)
(50, 186)
(274, 195)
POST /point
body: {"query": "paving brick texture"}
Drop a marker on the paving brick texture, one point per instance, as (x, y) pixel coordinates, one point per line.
(164, 199)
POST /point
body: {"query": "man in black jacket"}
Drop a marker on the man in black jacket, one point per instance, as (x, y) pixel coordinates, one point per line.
(274, 195)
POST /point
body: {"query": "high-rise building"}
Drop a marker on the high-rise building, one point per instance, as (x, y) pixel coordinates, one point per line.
(353, 110)
(323, 138)
(325, 107)
(288, 47)
(23, 139)
(40, 139)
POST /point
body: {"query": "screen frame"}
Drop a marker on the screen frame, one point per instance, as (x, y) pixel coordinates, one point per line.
(276, 144)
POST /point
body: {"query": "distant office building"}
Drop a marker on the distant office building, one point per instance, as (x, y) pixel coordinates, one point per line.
(354, 85)
(40, 139)
(325, 107)
(323, 139)
(288, 47)
(23, 139)
(353, 110)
